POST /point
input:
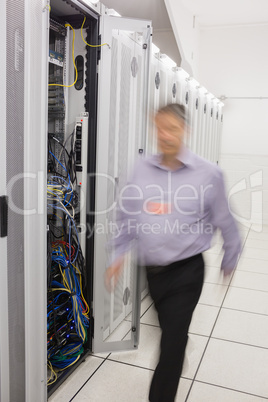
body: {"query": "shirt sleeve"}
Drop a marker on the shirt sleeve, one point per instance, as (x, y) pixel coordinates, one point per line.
(223, 219)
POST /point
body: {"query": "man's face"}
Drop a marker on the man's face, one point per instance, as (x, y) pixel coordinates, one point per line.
(170, 132)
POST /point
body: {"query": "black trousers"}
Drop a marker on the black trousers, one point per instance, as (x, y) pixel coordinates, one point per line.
(175, 290)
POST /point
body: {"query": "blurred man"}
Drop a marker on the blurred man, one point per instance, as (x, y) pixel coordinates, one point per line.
(172, 206)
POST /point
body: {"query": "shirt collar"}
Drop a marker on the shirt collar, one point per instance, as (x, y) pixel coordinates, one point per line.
(185, 156)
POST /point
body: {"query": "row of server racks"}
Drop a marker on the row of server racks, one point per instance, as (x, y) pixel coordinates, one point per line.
(79, 90)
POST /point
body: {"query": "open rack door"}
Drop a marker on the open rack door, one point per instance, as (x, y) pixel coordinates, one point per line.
(121, 138)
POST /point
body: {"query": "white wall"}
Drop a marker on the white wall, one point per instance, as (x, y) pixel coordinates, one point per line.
(234, 62)
(186, 34)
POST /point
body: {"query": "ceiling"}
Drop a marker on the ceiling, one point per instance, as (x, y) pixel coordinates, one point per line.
(208, 13)
(228, 12)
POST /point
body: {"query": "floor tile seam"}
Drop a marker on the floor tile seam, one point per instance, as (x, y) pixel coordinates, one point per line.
(190, 332)
(220, 284)
(75, 395)
(242, 287)
(244, 311)
(264, 247)
(129, 364)
(150, 325)
(251, 272)
(238, 342)
(215, 283)
(210, 305)
(146, 310)
(254, 258)
(229, 389)
(258, 237)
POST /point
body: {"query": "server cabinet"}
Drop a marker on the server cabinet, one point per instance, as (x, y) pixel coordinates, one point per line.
(4, 332)
(23, 163)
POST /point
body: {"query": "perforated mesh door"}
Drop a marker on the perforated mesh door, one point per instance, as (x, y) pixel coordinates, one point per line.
(118, 101)
(15, 169)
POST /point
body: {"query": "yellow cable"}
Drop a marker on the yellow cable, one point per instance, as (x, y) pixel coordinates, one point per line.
(84, 39)
(52, 372)
(76, 73)
(62, 289)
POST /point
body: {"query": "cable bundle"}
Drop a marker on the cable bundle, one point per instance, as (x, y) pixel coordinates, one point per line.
(67, 309)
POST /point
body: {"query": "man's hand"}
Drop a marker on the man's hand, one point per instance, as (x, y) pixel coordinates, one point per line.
(227, 272)
(112, 274)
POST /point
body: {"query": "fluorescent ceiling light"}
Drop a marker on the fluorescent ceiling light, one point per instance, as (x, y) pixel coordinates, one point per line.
(211, 96)
(114, 13)
(155, 49)
(182, 73)
(193, 82)
(89, 2)
(168, 61)
(203, 89)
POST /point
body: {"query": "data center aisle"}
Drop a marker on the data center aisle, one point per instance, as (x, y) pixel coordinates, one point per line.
(227, 352)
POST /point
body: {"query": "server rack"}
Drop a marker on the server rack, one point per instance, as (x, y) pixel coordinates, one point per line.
(113, 145)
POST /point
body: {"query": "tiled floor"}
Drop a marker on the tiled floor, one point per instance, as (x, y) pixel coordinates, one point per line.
(227, 352)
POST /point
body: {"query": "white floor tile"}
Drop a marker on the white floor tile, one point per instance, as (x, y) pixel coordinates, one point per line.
(148, 352)
(201, 392)
(250, 280)
(212, 294)
(145, 304)
(239, 326)
(247, 300)
(259, 253)
(216, 248)
(253, 265)
(212, 260)
(150, 317)
(115, 382)
(193, 354)
(202, 322)
(255, 243)
(236, 366)
(203, 319)
(265, 228)
(75, 381)
(258, 235)
(215, 275)
(183, 390)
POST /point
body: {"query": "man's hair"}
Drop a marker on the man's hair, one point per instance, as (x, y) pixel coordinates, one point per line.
(177, 110)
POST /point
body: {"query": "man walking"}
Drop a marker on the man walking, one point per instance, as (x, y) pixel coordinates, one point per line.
(171, 207)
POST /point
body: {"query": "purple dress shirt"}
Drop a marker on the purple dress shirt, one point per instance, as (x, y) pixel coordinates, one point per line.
(172, 215)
